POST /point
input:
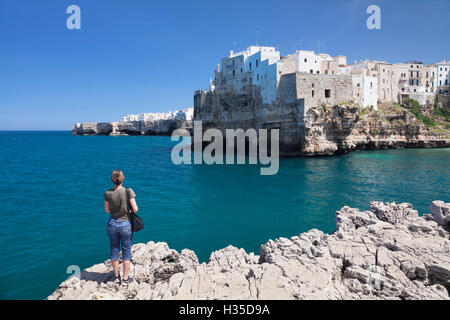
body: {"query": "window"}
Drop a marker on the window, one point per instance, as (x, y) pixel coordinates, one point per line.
(318, 72)
(371, 85)
(327, 93)
(257, 77)
(358, 85)
(312, 85)
(257, 63)
(241, 70)
(311, 71)
(312, 93)
(234, 73)
(306, 60)
(250, 66)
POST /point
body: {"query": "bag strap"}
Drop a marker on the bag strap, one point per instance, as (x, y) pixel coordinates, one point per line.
(128, 200)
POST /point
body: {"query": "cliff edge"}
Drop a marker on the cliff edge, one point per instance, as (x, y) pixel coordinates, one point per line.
(387, 252)
(342, 129)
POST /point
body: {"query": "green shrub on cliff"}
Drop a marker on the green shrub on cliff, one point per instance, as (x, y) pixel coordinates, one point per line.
(442, 112)
(414, 106)
(426, 120)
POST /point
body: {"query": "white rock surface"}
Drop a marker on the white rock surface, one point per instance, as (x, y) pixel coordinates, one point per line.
(387, 252)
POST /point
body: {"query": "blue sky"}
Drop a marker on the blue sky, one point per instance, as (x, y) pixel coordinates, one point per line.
(150, 56)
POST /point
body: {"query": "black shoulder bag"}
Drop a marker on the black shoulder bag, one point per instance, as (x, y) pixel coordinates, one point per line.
(135, 220)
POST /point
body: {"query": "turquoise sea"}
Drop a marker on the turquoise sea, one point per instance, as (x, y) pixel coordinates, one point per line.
(52, 184)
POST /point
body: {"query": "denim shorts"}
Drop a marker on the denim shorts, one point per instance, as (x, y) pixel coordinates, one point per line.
(120, 233)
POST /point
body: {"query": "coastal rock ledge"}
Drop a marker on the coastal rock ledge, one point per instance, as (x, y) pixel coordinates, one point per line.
(387, 252)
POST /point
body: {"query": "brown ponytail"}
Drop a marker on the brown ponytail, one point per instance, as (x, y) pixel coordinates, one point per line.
(117, 177)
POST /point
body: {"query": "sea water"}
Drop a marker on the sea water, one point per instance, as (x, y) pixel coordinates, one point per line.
(52, 185)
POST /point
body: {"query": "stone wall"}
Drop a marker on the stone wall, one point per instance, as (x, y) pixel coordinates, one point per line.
(444, 100)
(231, 111)
(313, 88)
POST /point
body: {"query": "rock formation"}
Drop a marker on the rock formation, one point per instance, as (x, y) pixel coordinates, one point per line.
(387, 252)
(342, 129)
(132, 128)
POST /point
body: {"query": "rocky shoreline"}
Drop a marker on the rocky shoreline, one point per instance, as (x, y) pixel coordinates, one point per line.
(131, 128)
(387, 252)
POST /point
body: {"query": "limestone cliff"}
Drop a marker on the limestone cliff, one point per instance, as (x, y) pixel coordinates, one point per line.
(341, 129)
(317, 127)
(387, 252)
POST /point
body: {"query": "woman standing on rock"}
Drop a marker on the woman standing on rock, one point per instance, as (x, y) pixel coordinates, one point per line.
(117, 200)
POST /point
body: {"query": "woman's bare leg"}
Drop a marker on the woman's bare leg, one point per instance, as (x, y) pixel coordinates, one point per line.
(115, 265)
(126, 269)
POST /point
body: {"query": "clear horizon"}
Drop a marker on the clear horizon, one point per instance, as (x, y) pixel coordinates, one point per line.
(134, 57)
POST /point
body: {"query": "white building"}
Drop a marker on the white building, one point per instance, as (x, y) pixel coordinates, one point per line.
(302, 61)
(186, 114)
(443, 73)
(244, 71)
(413, 80)
(365, 91)
(310, 62)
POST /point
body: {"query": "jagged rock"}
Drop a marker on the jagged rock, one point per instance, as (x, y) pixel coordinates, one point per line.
(387, 252)
(440, 212)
